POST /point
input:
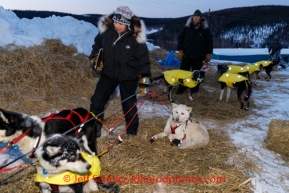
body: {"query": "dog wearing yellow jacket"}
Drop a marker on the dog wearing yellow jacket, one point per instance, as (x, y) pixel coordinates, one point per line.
(253, 72)
(268, 67)
(62, 167)
(243, 85)
(186, 78)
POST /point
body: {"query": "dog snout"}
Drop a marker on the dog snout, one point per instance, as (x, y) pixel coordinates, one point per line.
(88, 166)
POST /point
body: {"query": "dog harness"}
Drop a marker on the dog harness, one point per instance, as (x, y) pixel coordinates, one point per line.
(68, 118)
(69, 177)
(180, 77)
(173, 129)
(230, 79)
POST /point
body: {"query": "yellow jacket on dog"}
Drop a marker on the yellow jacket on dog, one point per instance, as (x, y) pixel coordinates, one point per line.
(68, 177)
(264, 63)
(252, 68)
(230, 78)
(236, 69)
(173, 77)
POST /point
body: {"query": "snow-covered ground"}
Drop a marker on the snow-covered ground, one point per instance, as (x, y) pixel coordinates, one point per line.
(272, 102)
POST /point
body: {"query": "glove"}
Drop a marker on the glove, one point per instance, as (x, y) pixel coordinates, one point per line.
(208, 58)
(181, 54)
(91, 57)
(144, 83)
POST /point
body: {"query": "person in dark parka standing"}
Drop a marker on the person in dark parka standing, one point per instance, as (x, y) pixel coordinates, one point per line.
(195, 45)
(122, 36)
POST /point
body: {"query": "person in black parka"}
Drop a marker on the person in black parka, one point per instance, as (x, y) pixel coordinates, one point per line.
(122, 36)
(195, 45)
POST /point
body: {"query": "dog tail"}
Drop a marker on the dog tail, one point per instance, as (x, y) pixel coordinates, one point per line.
(109, 187)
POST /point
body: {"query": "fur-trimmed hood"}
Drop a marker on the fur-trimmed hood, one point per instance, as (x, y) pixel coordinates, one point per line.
(204, 22)
(137, 26)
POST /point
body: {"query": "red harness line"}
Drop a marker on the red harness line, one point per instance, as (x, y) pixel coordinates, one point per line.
(176, 126)
(68, 118)
(14, 141)
(152, 93)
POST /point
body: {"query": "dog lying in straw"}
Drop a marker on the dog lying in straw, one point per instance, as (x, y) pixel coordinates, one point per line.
(34, 130)
(186, 78)
(238, 81)
(182, 131)
(63, 167)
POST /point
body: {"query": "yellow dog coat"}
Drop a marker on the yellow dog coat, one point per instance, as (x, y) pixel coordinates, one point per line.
(69, 177)
(230, 78)
(252, 68)
(173, 77)
(264, 63)
(236, 69)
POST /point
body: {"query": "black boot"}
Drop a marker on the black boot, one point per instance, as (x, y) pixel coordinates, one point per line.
(98, 129)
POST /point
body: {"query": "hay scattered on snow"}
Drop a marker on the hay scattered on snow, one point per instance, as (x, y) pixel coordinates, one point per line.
(278, 137)
(51, 76)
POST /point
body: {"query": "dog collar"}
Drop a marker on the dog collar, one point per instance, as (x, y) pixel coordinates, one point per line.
(176, 126)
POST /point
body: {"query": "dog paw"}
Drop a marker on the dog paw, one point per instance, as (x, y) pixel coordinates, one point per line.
(246, 108)
(152, 140)
(175, 142)
(191, 98)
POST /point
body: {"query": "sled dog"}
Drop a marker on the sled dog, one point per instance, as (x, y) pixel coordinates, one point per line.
(231, 80)
(62, 167)
(186, 78)
(35, 129)
(182, 131)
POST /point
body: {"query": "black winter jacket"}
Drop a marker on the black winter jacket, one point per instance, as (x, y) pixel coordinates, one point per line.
(125, 56)
(195, 43)
(274, 47)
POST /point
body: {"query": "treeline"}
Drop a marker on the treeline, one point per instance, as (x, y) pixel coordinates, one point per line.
(243, 27)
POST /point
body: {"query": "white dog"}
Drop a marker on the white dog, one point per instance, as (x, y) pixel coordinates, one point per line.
(182, 131)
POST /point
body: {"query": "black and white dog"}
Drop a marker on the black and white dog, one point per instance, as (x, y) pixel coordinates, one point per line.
(231, 80)
(63, 167)
(33, 130)
(186, 78)
(267, 65)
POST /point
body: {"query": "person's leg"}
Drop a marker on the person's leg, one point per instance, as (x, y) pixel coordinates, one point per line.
(128, 97)
(186, 64)
(104, 89)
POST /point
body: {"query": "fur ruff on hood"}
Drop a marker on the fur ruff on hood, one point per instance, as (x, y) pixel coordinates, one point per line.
(137, 26)
(204, 22)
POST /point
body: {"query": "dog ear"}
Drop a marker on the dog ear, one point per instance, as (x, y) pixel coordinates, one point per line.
(53, 150)
(189, 109)
(174, 105)
(10, 117)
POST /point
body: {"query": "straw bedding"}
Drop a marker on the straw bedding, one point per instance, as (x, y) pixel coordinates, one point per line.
(52, 76)
(278, 137)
